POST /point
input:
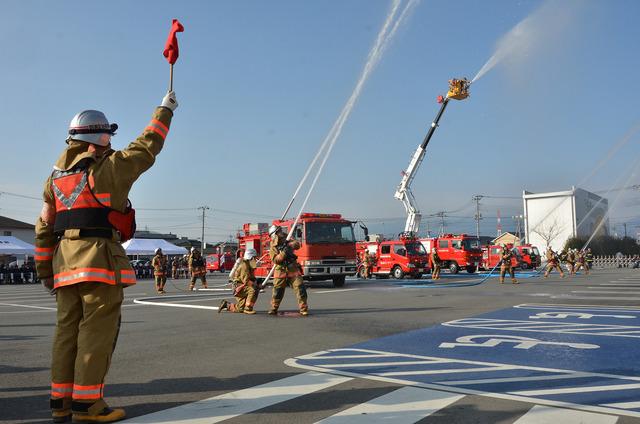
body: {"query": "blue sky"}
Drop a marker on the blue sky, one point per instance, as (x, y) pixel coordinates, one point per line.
(260, 84)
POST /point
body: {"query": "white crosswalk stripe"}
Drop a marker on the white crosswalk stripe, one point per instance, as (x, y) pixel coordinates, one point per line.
(548, 415)
(404, 406)
(400, 405)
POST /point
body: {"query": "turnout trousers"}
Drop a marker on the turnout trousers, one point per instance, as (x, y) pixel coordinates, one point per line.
(503, 271)
(88, 322)
(245, 299)
(297, 284)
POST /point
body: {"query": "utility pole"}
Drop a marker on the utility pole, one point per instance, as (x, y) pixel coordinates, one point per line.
(204, 208)
(625, 229)
(442, 224)
(478, 216)
(518, 219)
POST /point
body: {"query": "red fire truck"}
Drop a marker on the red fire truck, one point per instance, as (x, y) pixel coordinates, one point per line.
(328, 250)
(492, 255)
(524, 256)
(529, 256)
(220, 262)
(395, 258)
(456, 251)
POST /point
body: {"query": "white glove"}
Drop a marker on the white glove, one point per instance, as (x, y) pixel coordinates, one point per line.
(169, 101)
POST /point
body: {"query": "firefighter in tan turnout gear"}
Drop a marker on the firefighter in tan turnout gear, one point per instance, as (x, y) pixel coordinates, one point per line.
(506, 266)
(366, 264)
(553, 261)
(197, 268)
(159, 264)
(245, 287)
(85, 217)
(287, 271)
(436, 264)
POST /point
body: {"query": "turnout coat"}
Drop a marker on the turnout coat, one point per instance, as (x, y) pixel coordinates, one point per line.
(77, 194)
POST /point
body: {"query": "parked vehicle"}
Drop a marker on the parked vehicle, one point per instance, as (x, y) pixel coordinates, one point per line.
(219, 262)
(456, 251)
(395, 258)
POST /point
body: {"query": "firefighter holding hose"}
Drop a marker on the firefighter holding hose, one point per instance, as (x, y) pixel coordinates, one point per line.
(287, 270)
(245, 287)
(505, 265)
(553, 261)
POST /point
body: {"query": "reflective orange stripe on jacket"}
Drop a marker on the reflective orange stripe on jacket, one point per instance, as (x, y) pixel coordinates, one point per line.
(127, 277)
(81, 275)
(158, 128)
(43, 254)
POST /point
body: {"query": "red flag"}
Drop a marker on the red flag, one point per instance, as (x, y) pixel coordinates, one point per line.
(171, 48)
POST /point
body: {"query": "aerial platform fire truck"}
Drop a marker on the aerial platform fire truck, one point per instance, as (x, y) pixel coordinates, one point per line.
(456, 251)
(459, 251)
(458, 90)
(327, 252)
(396, 258)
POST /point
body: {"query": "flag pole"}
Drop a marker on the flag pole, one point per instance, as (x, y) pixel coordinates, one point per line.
(171, 77)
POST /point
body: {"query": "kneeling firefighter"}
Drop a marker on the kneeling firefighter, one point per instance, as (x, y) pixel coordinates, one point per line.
(287, 271)
(85, 217)
(245, 287)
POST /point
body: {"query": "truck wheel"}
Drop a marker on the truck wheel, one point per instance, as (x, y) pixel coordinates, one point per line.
(397, 273)
(453, 268)
(471, 269)
(524, 265)
(339, 281)
(417, 276)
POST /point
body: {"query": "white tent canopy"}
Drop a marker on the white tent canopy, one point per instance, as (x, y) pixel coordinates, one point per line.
(10, 245)
(148, 247)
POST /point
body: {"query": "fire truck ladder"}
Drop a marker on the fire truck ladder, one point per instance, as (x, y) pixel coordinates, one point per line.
(459, 90)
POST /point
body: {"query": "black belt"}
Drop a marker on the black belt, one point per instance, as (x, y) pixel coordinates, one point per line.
(101, 233)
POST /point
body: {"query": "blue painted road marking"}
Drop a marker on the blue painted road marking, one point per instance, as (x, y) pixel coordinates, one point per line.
(582, 356)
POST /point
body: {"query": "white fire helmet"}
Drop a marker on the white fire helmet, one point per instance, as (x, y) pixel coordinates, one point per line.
(158, 250)
(273, 229)
(91, 126)
(250, 254)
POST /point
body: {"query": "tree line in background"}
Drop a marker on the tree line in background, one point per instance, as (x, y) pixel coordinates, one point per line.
(606, 245)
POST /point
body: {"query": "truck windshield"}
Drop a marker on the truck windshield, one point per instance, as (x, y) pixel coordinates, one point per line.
(329, 232)
(470, 244)
(415, 249)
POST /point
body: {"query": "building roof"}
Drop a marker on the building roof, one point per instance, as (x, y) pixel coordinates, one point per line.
(13, 223)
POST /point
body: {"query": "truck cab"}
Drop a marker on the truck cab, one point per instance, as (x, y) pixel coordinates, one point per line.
(492, 255)
(456, 251)
(395, 258)
(529, 256)
(327, 252)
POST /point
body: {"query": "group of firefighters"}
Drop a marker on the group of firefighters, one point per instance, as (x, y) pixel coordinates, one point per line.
(574, 259)
(194, 261)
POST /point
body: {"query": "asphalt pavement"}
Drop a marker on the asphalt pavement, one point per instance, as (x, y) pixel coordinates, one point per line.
(467, 349)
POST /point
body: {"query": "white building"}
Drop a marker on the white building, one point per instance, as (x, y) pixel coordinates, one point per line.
(22, 230)
(552, 218)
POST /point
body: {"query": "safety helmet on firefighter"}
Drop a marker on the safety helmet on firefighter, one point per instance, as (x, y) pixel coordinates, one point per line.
(158, 250)
(193, 249)
(273, 229)
(91, 126)
(250, 254)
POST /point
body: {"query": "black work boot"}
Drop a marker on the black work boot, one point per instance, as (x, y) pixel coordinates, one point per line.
(224, 306)
(60, 409)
